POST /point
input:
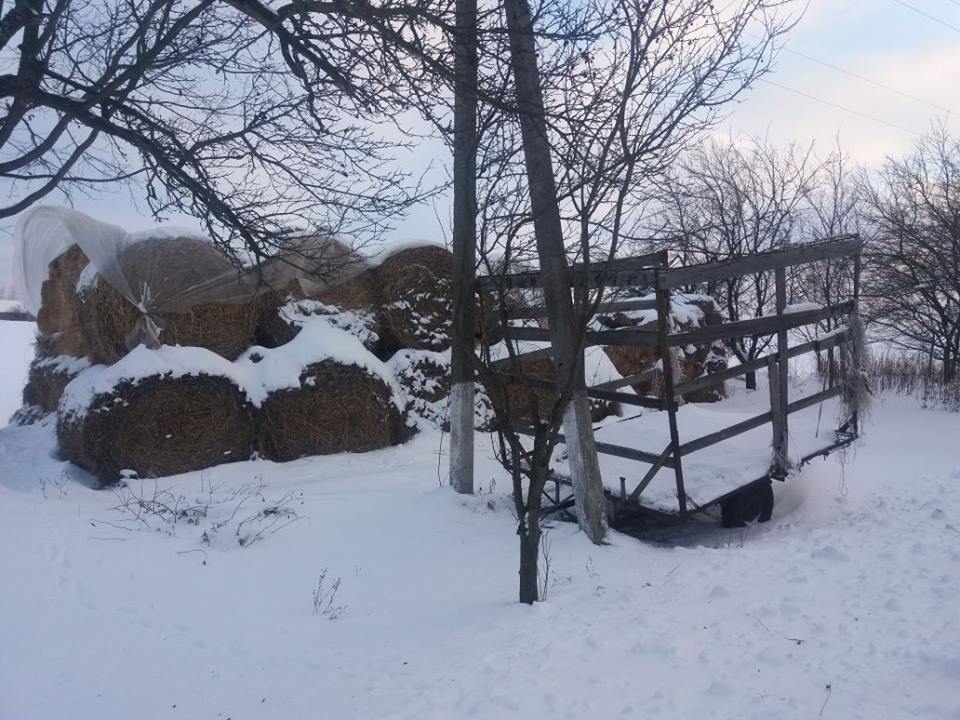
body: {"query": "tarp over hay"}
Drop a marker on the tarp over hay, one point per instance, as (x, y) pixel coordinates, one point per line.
(166, 286)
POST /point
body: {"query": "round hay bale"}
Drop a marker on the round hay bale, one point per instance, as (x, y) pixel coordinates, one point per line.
(279, 324)
(166, 268)
(158, 425)
(692, 361)
(416, 286)
(59, 317)
(336, 408)
(526, 404)
(424, 376)
(47, 378)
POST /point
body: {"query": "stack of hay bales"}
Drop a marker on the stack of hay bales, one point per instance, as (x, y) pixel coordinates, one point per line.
(61, 348)
(204, 393)
(686, 313)
(168, 360)
(399, 308)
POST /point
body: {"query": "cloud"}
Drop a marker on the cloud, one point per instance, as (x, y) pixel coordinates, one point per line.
(787, 115)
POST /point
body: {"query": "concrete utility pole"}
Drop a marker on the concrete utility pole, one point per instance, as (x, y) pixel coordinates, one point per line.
(464, 246)
(555, 271)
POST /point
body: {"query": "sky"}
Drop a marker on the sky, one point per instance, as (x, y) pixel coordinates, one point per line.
(894, 47)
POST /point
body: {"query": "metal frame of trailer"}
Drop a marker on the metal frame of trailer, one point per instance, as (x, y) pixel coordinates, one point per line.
(653, 273)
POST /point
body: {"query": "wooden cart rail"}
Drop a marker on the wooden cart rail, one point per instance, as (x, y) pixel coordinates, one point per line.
(651, 271)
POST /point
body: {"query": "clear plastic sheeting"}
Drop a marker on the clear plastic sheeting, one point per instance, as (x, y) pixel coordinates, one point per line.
(157, 272)
(44, 233)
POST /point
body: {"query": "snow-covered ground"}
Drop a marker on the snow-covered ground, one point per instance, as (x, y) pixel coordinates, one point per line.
(844, 606)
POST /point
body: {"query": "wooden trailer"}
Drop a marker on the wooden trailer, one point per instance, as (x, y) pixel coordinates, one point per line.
(673, 459)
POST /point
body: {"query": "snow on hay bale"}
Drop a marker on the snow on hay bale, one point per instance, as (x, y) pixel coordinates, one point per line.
(424, 377)
(324, 393)
(416, 286)
(187, 287)
(155, 413)
(281, 323)
(59, 319)
(686, 313)
(47, 378)
(318, 275)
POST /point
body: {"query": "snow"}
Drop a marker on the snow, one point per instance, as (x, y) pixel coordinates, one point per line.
(11, 306)
(258, 372)
(714, 471)
(843, 606)
(16, 338)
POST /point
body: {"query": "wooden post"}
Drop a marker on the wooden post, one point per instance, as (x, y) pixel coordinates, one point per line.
(858, 351)
(555, 271)
(783, 361)
(464, 247)
(778, 466)
(669, 398)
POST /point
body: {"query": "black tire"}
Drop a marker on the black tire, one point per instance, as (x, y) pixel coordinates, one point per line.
(752, 503)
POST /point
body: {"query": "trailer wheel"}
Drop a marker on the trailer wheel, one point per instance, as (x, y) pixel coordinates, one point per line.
(752, 503)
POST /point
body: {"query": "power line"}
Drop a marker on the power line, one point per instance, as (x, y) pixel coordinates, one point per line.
(875, 83)
(841, 107)
(917, 10)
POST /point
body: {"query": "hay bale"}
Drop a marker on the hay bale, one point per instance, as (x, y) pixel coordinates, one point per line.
(336, 408)
(59, 317)
(279, 324)
(166, 268)
(47, 378)
(156, 425)
(424, 376)
(687, 312)
(526, 403)
(416, 286)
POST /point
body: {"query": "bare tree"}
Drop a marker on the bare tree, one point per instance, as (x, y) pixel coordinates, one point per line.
(733, 198)
(249, 116)
(625, 87)
(912, 294)
(833, 208)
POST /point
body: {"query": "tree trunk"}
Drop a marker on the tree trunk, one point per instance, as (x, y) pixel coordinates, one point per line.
(464, 246)
(555, 271)
(529, 532)
(751, 378)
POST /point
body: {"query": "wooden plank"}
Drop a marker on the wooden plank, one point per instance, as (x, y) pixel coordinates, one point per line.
(651, 473)
(727, 432)
(781, 424)
(722, 375)
(622, 337)
(645, 376)
(615, 450)
(814, 399)
(669, 396)
(621, 271)
(629, 277)
(765, 325)
(758, 364)
(540, 311)
(760, 262)
(631, 454)
(625, 398)
(522, 358)
(778, 414)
